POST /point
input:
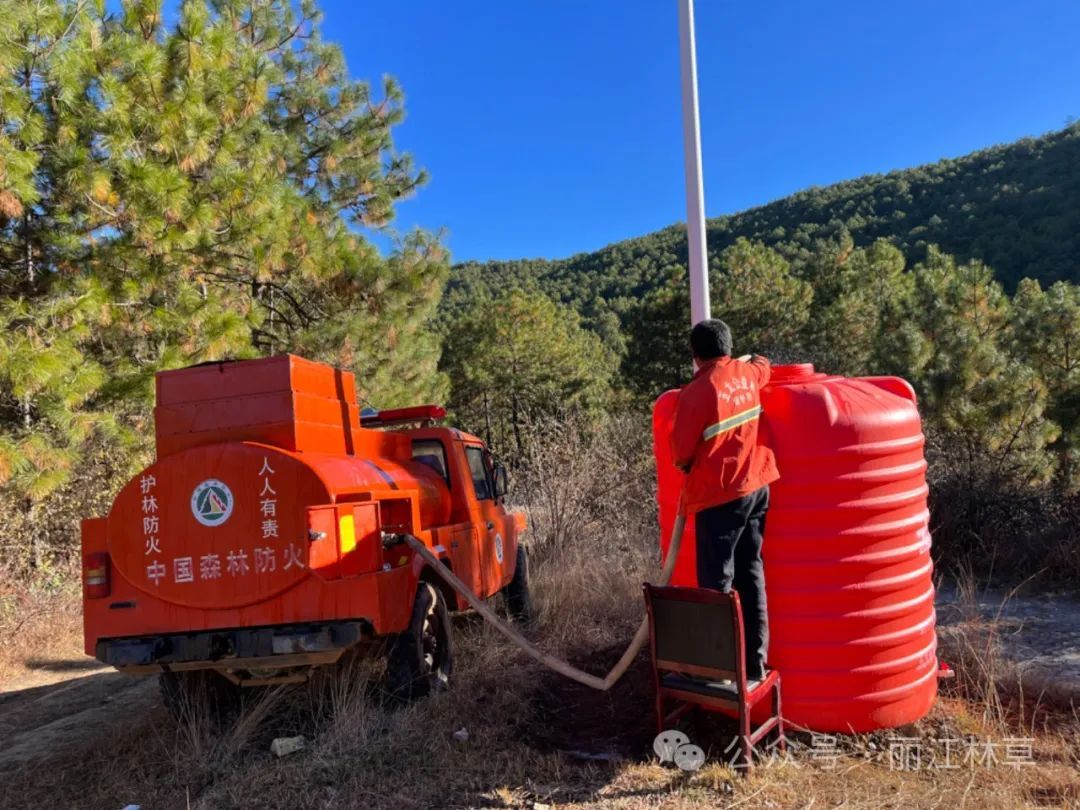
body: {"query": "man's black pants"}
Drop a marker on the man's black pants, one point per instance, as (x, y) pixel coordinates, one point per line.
(729, 553)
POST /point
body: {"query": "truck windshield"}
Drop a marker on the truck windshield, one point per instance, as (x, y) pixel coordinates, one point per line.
(479, 473)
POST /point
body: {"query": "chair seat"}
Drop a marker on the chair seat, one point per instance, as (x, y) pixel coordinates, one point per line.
(700, 686)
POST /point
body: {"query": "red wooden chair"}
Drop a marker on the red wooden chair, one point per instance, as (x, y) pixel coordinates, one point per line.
(699, 660)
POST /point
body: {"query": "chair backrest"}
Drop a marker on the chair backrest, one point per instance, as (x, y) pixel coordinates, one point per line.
(696, 631)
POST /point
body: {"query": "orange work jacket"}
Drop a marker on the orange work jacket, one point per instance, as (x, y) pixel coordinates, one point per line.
(715, 433)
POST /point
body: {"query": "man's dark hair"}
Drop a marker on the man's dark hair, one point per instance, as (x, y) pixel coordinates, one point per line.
(710, 339)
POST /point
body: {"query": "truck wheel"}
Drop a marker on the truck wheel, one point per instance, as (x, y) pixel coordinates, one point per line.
(421, 659)
(516, 596)
(191, 695)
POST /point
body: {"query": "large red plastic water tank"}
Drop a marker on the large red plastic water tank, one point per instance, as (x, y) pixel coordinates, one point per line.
(847, 547)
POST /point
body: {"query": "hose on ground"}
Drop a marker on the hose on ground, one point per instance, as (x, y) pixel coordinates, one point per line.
(550, 661)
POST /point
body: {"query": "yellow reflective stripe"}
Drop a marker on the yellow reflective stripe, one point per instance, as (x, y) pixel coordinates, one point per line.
(750, 415)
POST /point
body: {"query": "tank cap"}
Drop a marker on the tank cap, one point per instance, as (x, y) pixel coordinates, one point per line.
(793, 372)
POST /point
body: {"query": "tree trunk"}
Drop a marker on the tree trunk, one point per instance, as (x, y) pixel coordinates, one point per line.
(517, 426)
(487, 419)
(37, 538)
(28, 252)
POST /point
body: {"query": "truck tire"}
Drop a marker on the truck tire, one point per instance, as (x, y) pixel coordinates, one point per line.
(516, 595)
(193, 695)
(421, 659)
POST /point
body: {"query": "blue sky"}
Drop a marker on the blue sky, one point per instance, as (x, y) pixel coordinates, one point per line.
(551, 128)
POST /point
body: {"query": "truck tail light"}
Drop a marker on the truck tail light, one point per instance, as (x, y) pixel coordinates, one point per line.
(96, 575)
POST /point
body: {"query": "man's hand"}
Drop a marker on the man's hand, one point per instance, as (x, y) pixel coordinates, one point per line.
(749, 358)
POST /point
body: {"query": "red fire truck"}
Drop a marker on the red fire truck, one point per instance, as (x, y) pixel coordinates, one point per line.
(266, 539)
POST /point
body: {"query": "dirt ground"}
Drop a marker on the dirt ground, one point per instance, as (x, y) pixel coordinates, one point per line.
(71, 711)
(75, 734)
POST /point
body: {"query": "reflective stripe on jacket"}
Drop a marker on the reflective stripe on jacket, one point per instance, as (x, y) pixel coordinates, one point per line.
(715, 433)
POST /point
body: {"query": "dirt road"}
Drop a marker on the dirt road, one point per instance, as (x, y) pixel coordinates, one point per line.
(68, 707)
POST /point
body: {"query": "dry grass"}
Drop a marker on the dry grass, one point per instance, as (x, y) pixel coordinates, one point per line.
(535, 740)
(40, 625)
(518, 753)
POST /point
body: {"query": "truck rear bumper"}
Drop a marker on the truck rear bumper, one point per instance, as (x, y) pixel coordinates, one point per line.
(241, 649)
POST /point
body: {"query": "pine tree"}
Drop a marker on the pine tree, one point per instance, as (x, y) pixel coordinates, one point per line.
(195, 191)
(47, 383)
(1046, 335)
(752, 289)
(242, 160)
(519, 355)
(859, 293)
(970, 386)
(755, 292)
(658, 351)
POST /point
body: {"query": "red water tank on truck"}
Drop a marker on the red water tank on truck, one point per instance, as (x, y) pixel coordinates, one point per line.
(266, 539)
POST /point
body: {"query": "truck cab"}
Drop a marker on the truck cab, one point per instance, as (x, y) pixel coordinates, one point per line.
(267, 537)
(482, 532)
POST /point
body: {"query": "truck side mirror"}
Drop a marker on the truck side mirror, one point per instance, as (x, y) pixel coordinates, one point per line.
(502, 483)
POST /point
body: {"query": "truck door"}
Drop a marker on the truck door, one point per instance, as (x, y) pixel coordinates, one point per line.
(464, 542)
(490, 519)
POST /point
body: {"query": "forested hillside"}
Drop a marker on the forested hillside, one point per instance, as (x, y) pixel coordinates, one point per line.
(1014, 207)
(959, 277)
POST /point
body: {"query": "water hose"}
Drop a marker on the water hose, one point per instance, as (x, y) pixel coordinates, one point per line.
(550, 661)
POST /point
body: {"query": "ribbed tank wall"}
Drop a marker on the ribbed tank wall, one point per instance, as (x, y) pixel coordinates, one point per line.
(847, 549)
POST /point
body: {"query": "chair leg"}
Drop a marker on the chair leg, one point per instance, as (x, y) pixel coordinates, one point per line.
(781, 738)
(659, 713)
(744, 738)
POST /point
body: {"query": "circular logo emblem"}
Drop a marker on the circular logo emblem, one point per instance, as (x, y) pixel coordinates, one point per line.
(212, 502)
(498, 548)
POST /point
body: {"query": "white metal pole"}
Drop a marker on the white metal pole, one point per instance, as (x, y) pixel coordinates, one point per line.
(695, 191)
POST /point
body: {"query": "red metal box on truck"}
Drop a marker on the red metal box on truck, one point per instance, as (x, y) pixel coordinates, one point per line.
(286, 401)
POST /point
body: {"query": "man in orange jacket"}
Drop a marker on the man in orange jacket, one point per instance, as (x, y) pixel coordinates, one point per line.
(714, 440)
